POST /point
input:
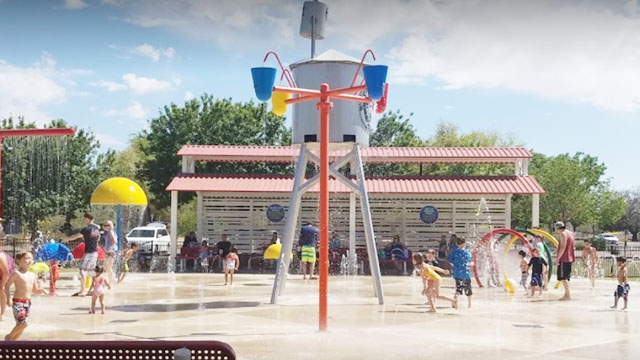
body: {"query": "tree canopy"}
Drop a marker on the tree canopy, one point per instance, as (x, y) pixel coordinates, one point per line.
(201, 122)
(576, 192)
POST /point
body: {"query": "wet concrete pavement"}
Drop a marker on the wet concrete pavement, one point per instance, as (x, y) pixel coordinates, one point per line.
(200, 307)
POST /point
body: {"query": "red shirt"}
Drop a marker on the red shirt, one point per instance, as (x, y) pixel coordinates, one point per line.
(569, 251)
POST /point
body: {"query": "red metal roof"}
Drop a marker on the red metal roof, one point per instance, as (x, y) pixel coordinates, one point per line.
(458, 155)
(409, 185)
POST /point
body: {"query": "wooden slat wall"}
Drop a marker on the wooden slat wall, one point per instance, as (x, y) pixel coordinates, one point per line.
(243, 218)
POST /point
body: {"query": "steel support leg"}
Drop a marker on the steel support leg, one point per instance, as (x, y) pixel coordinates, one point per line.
(282, 268)
(374, 265)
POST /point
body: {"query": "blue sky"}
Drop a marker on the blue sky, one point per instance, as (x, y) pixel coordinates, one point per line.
(561, 77)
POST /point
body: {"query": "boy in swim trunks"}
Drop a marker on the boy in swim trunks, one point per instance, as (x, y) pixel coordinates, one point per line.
(623, 286)
(125, 260)
(26, 284)
(538, 266)
(460, 258)
(524, 269)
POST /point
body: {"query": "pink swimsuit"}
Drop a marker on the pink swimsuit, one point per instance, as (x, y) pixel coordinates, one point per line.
(99, 284)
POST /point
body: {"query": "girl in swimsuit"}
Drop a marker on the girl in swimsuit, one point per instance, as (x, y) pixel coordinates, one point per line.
(431, 280)
(97, 289)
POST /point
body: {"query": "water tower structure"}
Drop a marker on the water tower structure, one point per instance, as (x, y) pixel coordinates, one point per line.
(344, 89)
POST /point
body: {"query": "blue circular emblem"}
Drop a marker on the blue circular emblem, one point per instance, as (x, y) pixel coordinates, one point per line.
(275, 213)
(429, 214)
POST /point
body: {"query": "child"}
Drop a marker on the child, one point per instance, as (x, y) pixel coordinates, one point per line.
(524, 269)
(125, 260)
(590, 259)
(26, 284)
(204, 256)
(433, 282)
(460, 258)
(97, 289)
(538, 266)
(231, 263)
(623, 286)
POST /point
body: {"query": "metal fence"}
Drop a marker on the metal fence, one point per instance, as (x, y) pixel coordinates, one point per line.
(13, 244)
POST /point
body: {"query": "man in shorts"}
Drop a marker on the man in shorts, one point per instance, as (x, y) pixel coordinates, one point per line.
(308, 241)
(565, 257)
(91, 235)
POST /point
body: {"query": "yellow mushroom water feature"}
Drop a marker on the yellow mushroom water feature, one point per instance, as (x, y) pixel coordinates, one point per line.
(119, 192)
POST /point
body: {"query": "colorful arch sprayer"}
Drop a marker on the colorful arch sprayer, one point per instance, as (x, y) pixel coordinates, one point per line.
(486, 243)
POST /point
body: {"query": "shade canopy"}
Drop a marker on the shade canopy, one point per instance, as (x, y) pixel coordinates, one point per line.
(119, 191)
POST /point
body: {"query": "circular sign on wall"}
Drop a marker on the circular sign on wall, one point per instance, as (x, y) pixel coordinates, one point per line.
(275, 213)
(429, 214)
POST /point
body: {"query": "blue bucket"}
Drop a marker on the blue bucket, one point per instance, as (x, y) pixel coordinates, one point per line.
(263, 80)
(375, 76)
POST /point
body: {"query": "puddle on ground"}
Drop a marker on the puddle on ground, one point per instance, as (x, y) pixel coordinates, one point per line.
(146, 308)
(122, 321)
(529, 326)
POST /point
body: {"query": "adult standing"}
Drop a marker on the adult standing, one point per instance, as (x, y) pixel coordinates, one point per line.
(91, 235)
(223, 246)
(565, 257)
(308, 241)
(110, 249)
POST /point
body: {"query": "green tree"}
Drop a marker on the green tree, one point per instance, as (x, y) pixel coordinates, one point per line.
(631, 219)
(207, 121)
(392, 130)
(573, 185)
(46, 176)
(609, 207)
(449, 135)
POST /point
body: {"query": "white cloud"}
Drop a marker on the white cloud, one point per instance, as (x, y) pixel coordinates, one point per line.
(225, 22)
(138, 85)
(74, 4)
(27, 91)
(134, 111)
(141, 85)
(578, 52)
(111, 86)
(188, 95)
(155, 54)
(574, 51)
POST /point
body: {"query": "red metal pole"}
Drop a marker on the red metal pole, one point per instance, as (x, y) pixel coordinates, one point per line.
(324, 106)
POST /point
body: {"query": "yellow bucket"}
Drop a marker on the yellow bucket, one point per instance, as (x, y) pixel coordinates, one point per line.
(273, 251)
(278, 102)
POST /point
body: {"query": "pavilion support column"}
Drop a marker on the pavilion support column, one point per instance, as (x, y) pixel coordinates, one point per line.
(507, 212)
(535, 211)
(199, 217)
(174, 230)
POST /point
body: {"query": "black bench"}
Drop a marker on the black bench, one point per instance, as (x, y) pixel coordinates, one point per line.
(113, 350)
